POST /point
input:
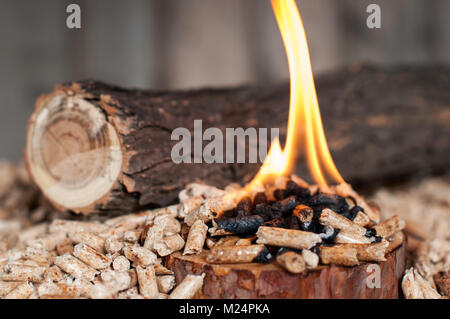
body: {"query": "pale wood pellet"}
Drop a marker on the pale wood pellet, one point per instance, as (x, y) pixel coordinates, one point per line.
(188, 287)
(75, 267)
(121, 263)
(90, 239)
(91, 257)
(148, 285)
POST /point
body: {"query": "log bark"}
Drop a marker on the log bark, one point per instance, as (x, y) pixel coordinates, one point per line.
(94, 147)
(270, 281)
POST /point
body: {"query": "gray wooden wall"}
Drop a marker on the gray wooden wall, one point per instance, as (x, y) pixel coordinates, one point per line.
(192, 43)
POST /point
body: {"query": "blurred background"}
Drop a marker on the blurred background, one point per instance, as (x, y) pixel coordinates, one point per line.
(180, 44)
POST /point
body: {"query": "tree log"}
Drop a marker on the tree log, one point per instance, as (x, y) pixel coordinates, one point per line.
(94, 147)
(270, 281)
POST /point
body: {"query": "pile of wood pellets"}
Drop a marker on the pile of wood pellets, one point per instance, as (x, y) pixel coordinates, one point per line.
(49, 254)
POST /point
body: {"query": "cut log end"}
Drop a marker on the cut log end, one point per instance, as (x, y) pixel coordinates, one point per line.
(253, 280)
(73, 153)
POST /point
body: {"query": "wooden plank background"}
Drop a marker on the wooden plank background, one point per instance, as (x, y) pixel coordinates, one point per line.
(192, 43)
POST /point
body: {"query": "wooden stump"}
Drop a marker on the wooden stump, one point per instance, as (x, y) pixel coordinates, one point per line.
(270, 281)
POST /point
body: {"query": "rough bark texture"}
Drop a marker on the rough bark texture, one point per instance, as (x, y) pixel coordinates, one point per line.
(270, 281)
(381, 125)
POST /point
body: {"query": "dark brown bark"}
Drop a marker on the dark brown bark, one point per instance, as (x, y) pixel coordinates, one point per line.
(270, 281)
(381, 125)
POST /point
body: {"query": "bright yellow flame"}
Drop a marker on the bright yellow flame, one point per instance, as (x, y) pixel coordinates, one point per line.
(305, 130)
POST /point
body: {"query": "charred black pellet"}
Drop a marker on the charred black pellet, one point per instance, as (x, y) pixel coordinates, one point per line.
(306, 226)
(378, 239)
(278, 194)
(293, 189)
(351, 214)
(264, 256)
(370, 233)
(292, 222)
(245, 225)
(321, 201)
(265, 211)
(285, 206)
(260, 198)
(316, 249)
(244, 207)
(275, 223)
(331, 238)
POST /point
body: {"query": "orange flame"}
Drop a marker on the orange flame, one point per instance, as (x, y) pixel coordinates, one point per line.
(305, 130)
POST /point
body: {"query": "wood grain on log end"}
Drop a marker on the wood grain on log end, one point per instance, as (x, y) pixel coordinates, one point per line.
(73, 153)
(270, 281)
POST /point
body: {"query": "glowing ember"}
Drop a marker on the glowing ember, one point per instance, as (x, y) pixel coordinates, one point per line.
(305, 130)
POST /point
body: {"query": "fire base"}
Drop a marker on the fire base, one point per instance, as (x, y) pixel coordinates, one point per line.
(231, 281)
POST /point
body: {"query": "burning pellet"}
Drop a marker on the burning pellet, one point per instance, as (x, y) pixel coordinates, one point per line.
(139, 255)
(169, 244)
(189, 205)
(121, 263)
(132, 236)
(188, 287)
(48, 242)
(15, 272)
(196, 238)
(303, 213)
(238, 254)
(389, 227)
(346, 190)
(260, 198)
(94, 241)
(41, 256)
(22, 291)
(395, 241)
(54, 273)
(299, 181)
(148, 285)
(287, 237)
(292, 262)
(91, 257)
(339, 255)
(70, 226)
(64, 247)
(75, 267)
(244, 207)
(349, 237)
(330, 218)
(62, 290)
(311, 259)
(244, 225)
(165, 283)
